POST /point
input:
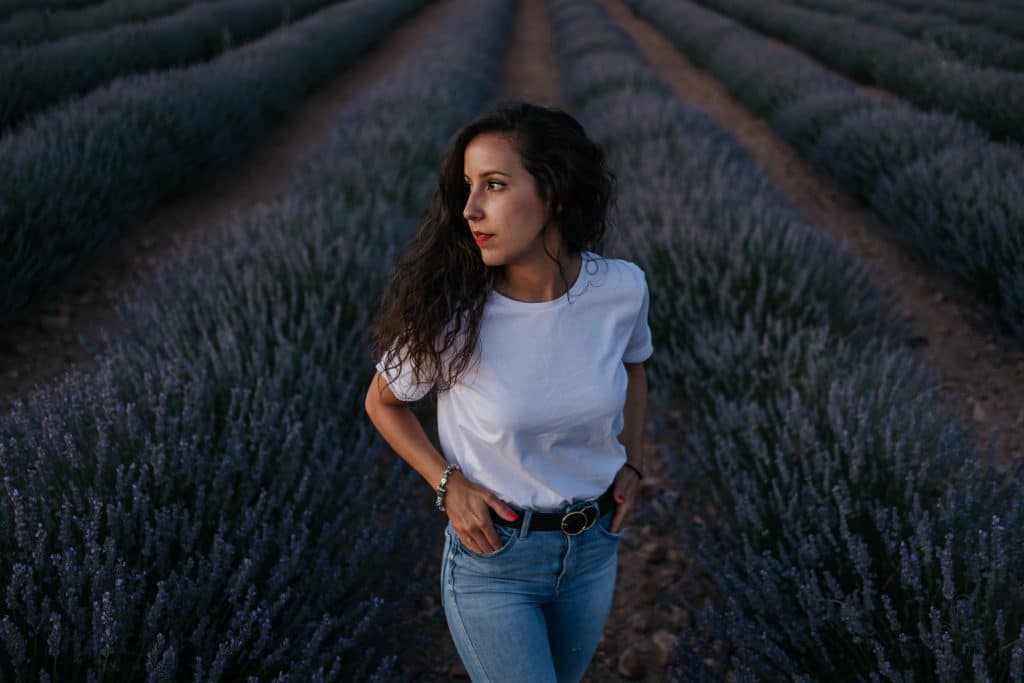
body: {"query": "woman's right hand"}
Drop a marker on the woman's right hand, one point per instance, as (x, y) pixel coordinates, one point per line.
(468, 506)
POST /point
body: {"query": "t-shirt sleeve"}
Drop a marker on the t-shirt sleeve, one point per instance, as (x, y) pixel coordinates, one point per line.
(403, 384)
(640, 346)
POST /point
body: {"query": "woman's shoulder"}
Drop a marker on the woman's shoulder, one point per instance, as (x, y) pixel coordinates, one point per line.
(623, 268)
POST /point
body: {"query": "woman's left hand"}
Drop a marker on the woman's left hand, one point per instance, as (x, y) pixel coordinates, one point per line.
(626, 484)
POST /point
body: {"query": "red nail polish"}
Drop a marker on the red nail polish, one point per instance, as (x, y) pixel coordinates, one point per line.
(514, 516)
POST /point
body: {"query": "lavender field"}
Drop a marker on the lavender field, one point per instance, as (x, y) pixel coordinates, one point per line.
(207, 500)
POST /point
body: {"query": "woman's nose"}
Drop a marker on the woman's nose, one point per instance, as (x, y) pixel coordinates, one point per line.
(472, 211)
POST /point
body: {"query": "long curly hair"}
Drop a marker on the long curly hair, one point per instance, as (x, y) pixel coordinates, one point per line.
(433, 304)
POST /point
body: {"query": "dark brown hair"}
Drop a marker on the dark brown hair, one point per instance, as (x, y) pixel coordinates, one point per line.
(437, 292)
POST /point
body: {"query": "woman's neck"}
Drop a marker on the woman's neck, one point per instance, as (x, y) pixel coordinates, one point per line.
(539, 281)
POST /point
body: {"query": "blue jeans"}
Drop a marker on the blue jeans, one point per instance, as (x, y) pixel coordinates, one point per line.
(534, 609)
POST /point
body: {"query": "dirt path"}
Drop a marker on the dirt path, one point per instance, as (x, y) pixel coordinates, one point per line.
(984, 380)
(40, 347)
(530, 71)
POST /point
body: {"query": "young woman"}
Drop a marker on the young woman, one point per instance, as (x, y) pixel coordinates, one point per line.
(535, 345)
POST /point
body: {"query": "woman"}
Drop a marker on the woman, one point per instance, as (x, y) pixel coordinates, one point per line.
(535, 344)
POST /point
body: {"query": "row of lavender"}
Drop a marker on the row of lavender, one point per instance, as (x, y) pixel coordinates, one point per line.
(837, 507)
(1005, 17)
(36, 78)
(976, 45)
(30, 28)
(992, 98)
(207, 505)
(81, 174)
(9, 7)
(953, 197)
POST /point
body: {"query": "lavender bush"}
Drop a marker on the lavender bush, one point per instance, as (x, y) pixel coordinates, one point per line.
(79, 175)
(206, 505)
(931, 199)
(835, 502)
(806, 119)
(614, 77)
(859, 143)
(866, 144)
(992, 98)
(9, 7)
(578, 44)
(976, 45)
(30, 28)
(42, 76)
(1005, 20)
(743, 69)
(850, 532)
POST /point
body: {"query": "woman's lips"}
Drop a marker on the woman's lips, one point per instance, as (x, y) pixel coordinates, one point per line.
(481, 237)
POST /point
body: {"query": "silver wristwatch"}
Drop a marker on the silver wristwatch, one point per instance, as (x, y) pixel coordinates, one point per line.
(441, 490)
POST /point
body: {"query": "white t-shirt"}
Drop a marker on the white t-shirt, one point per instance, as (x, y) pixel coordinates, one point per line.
(536, 416)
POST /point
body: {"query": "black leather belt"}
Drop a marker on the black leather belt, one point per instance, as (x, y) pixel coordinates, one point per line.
(572, 522)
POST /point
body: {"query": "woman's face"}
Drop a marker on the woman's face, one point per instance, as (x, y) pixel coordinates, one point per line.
(503, 201)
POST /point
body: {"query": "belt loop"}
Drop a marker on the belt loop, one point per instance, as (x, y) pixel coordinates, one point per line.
(525, 529)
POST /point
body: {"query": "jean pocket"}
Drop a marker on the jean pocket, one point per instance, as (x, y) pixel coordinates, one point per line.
(506, 538)
(603, 527)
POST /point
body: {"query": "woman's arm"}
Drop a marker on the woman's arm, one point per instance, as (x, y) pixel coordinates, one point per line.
(466, 503)
(403, 432)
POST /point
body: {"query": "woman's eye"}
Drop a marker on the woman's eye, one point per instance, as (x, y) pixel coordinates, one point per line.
(491, 185)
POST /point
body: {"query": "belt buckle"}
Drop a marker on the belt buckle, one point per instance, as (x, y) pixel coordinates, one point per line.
(587, 522)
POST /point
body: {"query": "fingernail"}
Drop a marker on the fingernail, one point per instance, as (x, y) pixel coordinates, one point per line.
(619, 499)
(514, 516)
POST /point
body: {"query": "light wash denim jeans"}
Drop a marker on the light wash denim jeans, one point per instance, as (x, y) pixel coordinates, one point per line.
(533, 610)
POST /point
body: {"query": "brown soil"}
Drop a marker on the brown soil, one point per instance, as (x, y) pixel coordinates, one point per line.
(530, 70)
(983, 379)
(44, 344)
